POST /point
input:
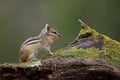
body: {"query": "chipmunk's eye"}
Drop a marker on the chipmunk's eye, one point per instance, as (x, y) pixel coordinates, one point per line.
(54, 32)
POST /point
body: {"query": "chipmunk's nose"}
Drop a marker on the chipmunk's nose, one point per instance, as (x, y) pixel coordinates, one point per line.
(46, 25)
(60, 35)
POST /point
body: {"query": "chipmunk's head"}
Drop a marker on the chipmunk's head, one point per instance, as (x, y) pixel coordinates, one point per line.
(52, 33)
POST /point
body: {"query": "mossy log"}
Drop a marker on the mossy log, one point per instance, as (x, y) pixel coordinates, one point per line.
(91, 56)
(61, 68)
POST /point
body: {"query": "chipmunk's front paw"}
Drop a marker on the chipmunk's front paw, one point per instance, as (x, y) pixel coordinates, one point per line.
(52, 53)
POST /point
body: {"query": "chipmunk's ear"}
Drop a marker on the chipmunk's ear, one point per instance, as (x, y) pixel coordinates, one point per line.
(47, 27)
(84, 26)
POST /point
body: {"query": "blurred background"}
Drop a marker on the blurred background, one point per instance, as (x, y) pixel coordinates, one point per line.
(21, 19)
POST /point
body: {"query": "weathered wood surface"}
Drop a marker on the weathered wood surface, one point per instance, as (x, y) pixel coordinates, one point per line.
(62, 68)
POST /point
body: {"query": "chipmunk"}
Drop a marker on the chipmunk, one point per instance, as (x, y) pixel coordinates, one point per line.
(33, 45)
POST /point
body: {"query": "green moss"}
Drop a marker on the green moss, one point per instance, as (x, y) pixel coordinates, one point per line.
(27, 64)
(111, 50)
(79, 53)
(112, 57)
